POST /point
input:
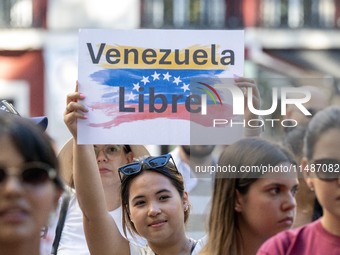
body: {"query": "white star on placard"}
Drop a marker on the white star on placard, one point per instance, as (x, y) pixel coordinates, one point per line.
(131, 96)
(177, 80)
(185, 87)
(167, 76)
(145, 80)
(136, 86)
(155, 76)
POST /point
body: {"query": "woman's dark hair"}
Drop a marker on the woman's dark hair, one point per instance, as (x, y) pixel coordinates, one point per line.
(323, 121)
(169, 171)
(30, 141)
(294, 140)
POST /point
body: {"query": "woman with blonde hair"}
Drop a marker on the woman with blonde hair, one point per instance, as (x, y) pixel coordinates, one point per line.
(253, 197)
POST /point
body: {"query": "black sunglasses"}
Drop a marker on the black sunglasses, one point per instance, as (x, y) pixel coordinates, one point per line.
(151, 162)
(326, 169)
(32, 173)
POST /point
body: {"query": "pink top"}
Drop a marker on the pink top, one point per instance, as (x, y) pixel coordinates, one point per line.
(306, 240)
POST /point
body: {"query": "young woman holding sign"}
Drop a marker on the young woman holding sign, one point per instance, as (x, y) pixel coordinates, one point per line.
(155, 204)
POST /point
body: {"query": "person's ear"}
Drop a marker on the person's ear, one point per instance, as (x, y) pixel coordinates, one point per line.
(129, 156)
(238, 201)
(185, 201)
(307, 174)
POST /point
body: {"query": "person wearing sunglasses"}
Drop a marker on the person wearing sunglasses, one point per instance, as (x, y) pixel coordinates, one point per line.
(105, 160)
(30, 185)
(248, 206)
(154, 203)
(321, 166)
(156, 206)
(47, 232)
(308, 208)
(153, 200)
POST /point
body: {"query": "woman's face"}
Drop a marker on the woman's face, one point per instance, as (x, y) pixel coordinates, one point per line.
(327, 192)
(269, 205)
(24, 208)
(109, 159)
(156, 208)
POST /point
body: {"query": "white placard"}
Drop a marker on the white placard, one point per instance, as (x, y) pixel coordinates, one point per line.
(157, 86)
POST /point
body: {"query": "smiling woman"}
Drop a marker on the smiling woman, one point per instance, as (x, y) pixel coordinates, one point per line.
(133, 195)
(155, 205)
(29, 184)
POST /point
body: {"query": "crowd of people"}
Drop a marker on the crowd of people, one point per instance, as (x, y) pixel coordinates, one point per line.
(118, 199)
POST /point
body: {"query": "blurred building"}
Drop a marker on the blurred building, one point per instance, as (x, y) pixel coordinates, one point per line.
(297, 41)
(38, 51)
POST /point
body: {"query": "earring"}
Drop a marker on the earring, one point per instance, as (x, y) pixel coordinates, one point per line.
(311, 188)
(186, 207)
(237, 208)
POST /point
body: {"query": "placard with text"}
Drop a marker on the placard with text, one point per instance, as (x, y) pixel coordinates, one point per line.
(158, 86)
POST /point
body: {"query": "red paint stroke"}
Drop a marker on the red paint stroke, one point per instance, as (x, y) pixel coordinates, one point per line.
(117, 118)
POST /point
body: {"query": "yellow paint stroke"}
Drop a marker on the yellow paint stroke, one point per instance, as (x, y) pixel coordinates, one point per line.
(210, 94)
(171, 57)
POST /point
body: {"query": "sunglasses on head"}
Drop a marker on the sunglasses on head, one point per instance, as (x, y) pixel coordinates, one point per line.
(32, 173)
(326, 169)
(150, 162)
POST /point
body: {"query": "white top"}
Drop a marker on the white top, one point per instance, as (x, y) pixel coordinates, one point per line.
(48, 235)
(138, 250)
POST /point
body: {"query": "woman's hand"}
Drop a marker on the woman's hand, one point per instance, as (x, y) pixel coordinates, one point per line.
(74, 110)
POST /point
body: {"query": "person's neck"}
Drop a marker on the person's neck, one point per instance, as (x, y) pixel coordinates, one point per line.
(179, 246)
(251, 244)
(304, 196)
(112, 197)
(305, 205)
(331, 223)
(249, 241)
(21, 247)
